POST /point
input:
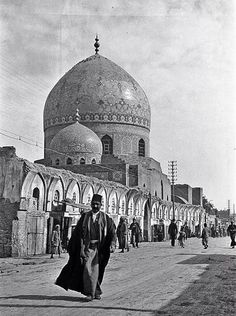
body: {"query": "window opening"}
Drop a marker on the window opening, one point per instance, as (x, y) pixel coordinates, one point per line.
(141, 148)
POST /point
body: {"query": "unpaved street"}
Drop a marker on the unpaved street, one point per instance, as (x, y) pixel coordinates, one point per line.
(152, 280)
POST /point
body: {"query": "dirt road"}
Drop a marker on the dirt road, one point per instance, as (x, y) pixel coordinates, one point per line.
(154, 279)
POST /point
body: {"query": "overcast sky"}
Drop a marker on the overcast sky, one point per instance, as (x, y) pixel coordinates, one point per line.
(181, 52)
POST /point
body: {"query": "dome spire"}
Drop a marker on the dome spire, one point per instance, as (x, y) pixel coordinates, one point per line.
(77, 115)
(96, 44)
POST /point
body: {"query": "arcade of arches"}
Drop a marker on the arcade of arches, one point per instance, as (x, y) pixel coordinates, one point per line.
(50, 196)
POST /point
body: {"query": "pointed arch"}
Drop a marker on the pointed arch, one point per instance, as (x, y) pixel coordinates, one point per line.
(33, 190)
(87, 194)
(141, 148)
(69, 161)
(112, 202)
(103, 193)
(107, 145)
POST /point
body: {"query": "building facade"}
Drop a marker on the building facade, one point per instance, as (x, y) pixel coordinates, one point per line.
(96, 140)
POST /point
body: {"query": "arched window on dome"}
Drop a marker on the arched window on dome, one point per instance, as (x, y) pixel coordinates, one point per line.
(141, 148)
(94, 162)
(74, 197)
(107, 145)
(69, 161)
(82, 161)
(57, 162)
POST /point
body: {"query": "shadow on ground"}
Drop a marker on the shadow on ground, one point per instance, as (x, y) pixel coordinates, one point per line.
(89, 305)
(212, 294)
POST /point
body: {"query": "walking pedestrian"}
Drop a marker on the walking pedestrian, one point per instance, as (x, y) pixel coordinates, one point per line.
(173, 231)
(89, 250)
(231, 230)
(122, 234)
(205, 236)
(56, 242)
(181, 237)
(135, 233)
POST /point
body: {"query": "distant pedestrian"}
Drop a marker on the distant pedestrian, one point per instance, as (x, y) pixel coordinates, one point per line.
(122, 234)
(173, 231)
(231, 230)
(181, 237)
(205, 236)
(186, 230)
(135, 233)
(56, 241)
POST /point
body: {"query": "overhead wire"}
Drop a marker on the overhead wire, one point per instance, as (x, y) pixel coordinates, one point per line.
(36, 144)
(17, 74)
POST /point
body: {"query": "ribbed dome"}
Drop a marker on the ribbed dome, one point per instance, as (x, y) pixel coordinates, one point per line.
(76, 138)
(102, 91)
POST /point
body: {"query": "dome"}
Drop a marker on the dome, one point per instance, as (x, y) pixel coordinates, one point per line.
(103, 92)
(75, 139)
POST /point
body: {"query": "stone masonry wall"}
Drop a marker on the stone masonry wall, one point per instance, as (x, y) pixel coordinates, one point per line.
(8, 212)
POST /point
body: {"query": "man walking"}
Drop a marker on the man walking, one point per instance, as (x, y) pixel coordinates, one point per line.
(173, 231)
(122, 234)
(232, 232)
(56, 242)
(89, 251)
(135, 233)
(205, 236)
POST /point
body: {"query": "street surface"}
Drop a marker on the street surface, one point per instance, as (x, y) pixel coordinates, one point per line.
(154, 279)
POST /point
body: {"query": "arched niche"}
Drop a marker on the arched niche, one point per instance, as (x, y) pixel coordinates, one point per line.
(122, 204)
(126, 145)
(112, 204)
(87, 195)
(103, 193)
(33, 192)
(131, 206)
(73, 191)
(55, 192)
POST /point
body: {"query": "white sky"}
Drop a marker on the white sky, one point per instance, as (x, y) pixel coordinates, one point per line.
(181, 52)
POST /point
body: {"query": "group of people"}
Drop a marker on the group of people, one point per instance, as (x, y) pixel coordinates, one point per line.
(92, 241)
(122, 233)
(173, 232)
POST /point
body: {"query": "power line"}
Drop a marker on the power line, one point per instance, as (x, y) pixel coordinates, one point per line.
(66, 155)
(20, 136)
(14, 72)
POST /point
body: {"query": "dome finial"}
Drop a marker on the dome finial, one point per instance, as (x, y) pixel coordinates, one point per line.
(77, 115)
(96, 44)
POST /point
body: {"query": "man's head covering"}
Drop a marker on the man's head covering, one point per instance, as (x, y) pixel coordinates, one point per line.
(97, 198)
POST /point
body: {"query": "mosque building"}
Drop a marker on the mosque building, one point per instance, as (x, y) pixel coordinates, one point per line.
(96, 140)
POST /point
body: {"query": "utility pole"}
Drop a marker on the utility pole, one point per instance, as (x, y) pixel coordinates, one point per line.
(172, 171)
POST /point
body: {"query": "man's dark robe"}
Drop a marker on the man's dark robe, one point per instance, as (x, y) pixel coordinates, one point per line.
(71, 276)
